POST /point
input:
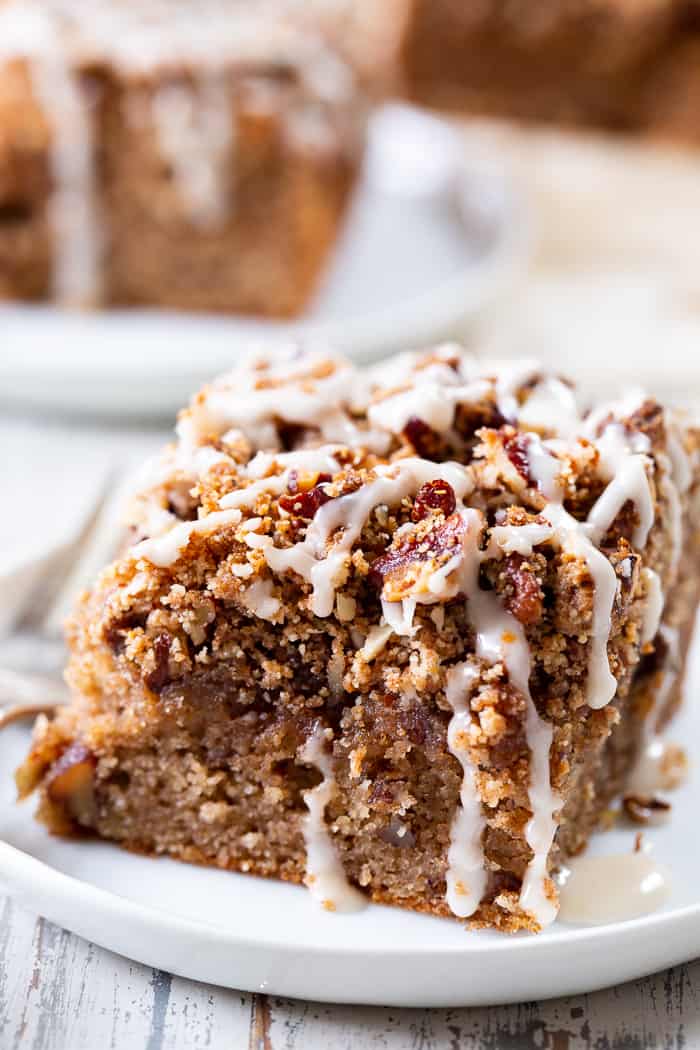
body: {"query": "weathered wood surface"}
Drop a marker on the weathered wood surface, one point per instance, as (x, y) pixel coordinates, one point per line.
(58, 992)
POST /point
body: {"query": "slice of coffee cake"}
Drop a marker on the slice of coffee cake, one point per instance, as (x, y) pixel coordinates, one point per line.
(397, 634)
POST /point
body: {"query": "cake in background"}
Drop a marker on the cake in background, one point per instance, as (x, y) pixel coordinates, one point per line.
(610, 64)
(197, 155)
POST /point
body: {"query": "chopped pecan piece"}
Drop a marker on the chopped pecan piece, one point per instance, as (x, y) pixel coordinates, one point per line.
(304, 504)
(407, 568)
(159, 677)
(303, 482)
(426, 441)
(523, 596)
(516, 448)
(434, 496)
(70, 783)
(646, 810)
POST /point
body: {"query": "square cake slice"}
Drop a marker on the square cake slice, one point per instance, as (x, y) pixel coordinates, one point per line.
(399, 634)
(190, 153)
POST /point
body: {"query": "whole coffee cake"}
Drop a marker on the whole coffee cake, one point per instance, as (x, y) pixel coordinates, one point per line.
(399, 634)
(182, 153)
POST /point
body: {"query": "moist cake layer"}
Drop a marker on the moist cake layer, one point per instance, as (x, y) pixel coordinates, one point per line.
(398, 634)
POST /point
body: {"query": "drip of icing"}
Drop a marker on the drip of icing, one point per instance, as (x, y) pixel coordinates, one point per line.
(320, 459)
(655, 767)
(196, 135)
(573, 537)
(521, 539)
(466, 872)
(325, 876)
(654, 607)
(510, 377)
(613, 889)
(499, 636)
(601, 685)
(164, 550)
(551, 406)
(630, 482)
(399, 615)
(29, 32)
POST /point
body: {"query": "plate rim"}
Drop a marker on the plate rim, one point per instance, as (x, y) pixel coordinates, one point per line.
(11, 859)
(414, 320)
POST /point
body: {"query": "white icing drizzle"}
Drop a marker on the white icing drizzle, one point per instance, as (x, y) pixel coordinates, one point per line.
(573, 536)
(320, 460)
(196, 133)
(310, 390)
(654, 607)
(466, 872)
(551, 406)
(28, 32)
(325, 876)
(612, 889)
(521, 539)
(499, 636)
(432, 402)
(627, 468)
(164, 550)
(648, 775)
(509, 377)
(500, 639)
(601, 685)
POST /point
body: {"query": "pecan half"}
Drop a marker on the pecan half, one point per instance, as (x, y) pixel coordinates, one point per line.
(523, 596)
(407, 568)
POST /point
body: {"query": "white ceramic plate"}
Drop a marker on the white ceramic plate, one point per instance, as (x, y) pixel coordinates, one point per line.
(433, 238)
(259, 935)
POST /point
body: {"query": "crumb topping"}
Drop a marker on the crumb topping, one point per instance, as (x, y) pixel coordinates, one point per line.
(432, 499)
